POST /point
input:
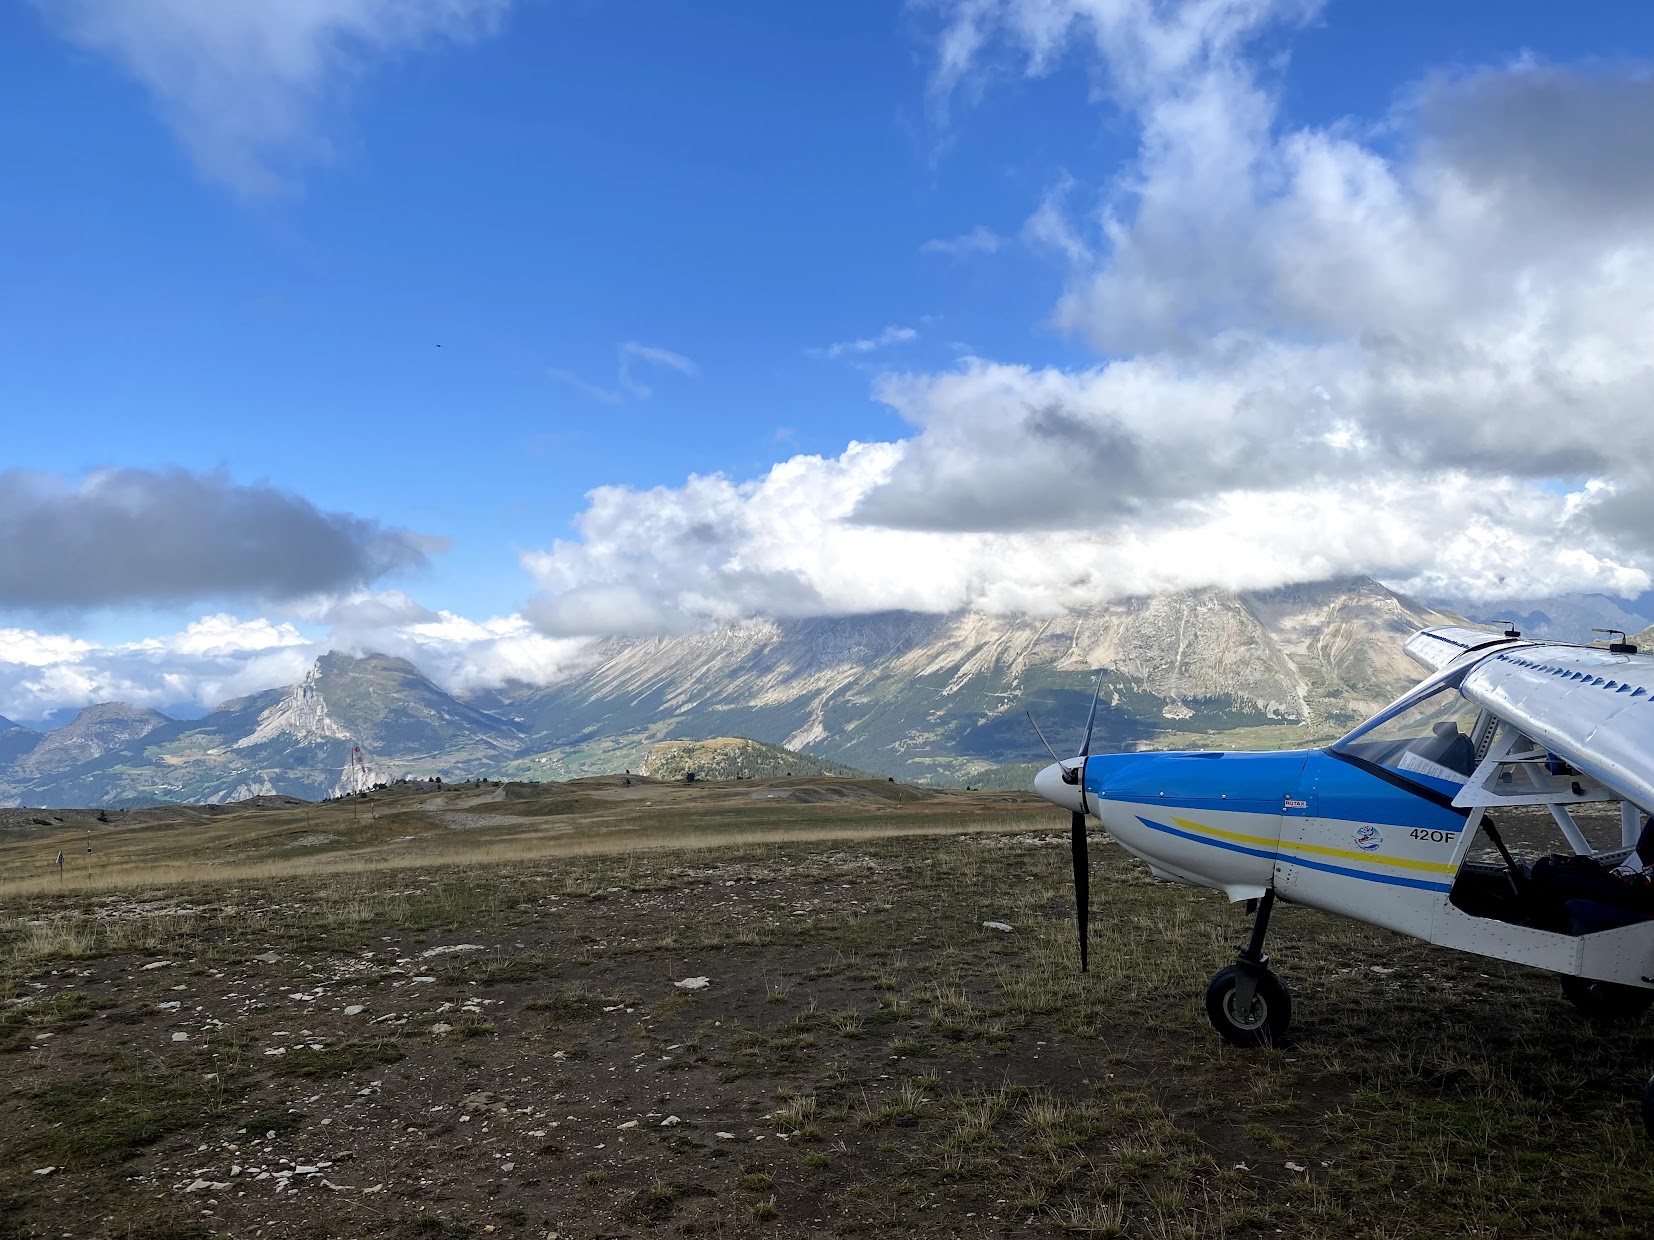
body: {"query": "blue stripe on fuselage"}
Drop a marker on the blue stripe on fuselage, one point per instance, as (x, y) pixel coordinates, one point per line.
(1391, 880)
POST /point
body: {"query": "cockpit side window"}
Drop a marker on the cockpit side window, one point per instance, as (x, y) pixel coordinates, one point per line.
(1428, 740)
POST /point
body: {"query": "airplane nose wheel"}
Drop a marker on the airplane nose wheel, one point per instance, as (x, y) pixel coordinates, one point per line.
(1246, 1003)
(1258, 1018)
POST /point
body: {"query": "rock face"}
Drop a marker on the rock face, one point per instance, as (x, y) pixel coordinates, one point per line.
(938, 697)
(926, 696)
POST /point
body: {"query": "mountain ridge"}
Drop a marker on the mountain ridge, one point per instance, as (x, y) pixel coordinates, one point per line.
(921, 696)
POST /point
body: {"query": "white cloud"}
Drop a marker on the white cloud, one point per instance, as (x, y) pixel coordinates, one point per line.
(790, 544)
(1416, 349)
(213, 659)
(979, 240)
(241, 81)
(869, 344)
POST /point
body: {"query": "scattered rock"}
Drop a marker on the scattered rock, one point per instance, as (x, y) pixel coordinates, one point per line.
(1292, 1166)
(671, 1121)
(355, 1009)
(180, 1037)
(441, 1027)
(1004, 927)
(724, 1136)
(631, 1123)
(267, 958)
(159, 964)
(44, 1170)
(693, 983)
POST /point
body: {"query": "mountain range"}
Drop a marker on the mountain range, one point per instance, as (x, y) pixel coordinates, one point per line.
(940, 698)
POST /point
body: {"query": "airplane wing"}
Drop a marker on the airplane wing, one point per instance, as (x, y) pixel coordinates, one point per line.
(1591, 707)
(1436, 648)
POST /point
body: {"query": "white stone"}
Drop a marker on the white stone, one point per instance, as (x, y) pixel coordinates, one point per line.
(693, 983)
(355, 1009)
(44, 1170)
(724, 1136)
(180, 1037)
(1002, 926)
(631, 1123)
(671, 1121)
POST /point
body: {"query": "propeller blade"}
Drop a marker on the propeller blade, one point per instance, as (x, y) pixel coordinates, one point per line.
(1082, 882)
(1043, 741)
(1091, 719)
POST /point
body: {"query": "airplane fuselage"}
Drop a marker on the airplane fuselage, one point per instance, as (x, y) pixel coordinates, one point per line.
(1321, 830)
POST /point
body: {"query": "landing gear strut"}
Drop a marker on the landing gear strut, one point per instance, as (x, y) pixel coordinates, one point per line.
(1246, 1003)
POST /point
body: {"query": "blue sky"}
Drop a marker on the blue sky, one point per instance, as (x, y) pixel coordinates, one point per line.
(636, 232)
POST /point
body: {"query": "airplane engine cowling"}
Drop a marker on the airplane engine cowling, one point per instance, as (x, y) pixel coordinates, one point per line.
(1211, 819)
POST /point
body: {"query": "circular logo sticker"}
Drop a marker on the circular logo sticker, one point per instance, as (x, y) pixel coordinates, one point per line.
(1368, 837)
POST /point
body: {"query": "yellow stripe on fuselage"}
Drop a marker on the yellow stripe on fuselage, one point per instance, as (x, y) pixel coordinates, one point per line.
(1318, 850)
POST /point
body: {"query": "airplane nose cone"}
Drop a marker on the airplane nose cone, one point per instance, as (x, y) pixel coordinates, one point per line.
(1049, 784)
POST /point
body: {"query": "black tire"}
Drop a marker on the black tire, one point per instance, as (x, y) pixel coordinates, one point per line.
(1648, 1107)
(1606, 1003)
(1264, 1024)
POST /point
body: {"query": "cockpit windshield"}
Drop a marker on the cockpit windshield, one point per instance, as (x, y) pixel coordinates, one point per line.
(1428, 740)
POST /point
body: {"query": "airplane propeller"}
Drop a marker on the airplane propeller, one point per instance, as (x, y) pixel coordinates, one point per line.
(1077, 845)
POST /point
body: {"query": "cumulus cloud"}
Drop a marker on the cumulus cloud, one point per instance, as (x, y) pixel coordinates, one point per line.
(137, 536)
(220, 657)
(1414, 347)
(213, 659)
(791, 544)
(241, 83)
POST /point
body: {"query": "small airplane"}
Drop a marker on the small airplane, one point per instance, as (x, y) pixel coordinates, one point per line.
(1378, 826)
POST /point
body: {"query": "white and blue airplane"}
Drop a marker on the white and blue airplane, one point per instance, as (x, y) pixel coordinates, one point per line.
(1378, 826)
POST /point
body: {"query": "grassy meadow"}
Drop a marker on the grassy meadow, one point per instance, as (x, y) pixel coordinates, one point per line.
(459, 1013)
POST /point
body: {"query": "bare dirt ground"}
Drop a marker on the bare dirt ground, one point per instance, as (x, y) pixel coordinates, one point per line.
(760, 1018)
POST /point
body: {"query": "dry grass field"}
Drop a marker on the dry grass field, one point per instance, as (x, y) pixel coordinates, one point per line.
(458, 1013)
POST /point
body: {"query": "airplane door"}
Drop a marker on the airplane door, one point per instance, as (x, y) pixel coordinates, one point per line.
(1349, 846)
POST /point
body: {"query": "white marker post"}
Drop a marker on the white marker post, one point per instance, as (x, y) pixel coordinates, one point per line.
(60, 866)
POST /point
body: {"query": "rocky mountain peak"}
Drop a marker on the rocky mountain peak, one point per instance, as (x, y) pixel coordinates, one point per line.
(95, 731)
